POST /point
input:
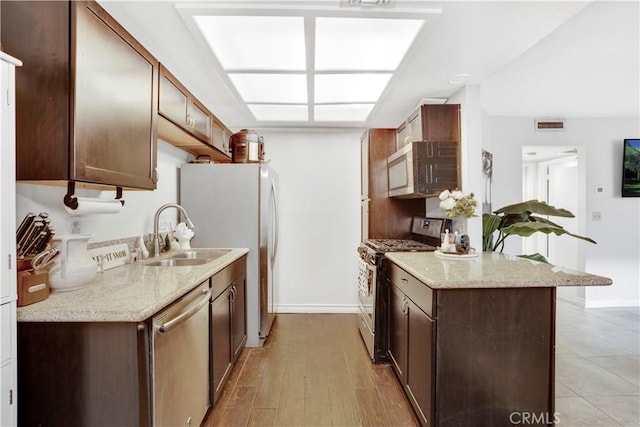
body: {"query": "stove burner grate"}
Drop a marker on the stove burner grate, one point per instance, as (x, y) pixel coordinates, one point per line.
(397, 245)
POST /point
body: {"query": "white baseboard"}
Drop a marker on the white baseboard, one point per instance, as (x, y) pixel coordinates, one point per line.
(317, 308)
(612, 303)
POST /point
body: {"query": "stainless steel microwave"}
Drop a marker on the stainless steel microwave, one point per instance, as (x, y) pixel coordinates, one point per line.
(423, 169)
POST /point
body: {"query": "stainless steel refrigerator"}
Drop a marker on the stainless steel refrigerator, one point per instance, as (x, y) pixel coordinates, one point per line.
(235, 205)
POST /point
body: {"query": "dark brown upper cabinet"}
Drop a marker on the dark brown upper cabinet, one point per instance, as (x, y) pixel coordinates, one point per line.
(87, 95)
(178, 105)
(220, 137)
(186, 123)
(430, 122)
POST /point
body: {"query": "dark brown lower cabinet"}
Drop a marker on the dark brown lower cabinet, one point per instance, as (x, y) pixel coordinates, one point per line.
(84, 374)
(221, 361)
(419, 360)
(410, 351)
(228, 323)
(100, 373)
(481, 357)
(238, 316)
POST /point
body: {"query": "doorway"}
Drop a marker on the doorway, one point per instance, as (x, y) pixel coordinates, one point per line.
(556, 175)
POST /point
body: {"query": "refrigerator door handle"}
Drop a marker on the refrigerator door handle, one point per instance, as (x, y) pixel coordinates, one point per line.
(276, 231)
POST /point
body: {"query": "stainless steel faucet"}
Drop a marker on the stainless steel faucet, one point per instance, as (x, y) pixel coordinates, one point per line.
(156, 220)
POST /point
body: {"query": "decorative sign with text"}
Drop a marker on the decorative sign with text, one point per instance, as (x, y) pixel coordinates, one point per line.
(108, 257)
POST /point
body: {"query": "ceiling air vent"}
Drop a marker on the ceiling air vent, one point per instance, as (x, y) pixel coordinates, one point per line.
(550, 124)
(365, 3)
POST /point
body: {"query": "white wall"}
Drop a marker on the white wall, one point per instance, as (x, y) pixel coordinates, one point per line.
(319, 183)
(617, 253)
(136, 216)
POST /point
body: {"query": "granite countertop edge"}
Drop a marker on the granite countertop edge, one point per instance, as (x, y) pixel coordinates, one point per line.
(490, 270)
(129, 293)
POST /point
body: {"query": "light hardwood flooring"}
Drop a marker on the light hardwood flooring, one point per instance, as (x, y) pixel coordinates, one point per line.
(314, 371)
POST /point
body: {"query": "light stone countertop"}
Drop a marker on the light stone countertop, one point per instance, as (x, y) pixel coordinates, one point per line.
(489, 270)
(129, 293)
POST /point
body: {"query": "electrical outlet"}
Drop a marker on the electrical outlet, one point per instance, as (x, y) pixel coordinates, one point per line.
(596, 216)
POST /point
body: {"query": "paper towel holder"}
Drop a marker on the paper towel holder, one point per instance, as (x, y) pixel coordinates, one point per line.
(71, 201)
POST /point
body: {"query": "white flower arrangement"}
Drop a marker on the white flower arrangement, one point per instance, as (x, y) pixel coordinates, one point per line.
(455, 203)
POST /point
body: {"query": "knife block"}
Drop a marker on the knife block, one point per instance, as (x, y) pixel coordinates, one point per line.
(25, 263)
(32, 288)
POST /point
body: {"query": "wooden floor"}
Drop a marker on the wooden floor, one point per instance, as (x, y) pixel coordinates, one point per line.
(314, 370)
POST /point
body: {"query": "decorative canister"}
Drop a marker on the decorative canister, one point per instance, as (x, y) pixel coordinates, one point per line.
(245, 146)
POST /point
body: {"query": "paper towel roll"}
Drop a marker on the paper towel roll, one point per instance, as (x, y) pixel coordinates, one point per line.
(94, 205)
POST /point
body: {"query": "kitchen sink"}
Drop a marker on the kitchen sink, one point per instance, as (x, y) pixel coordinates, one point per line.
(172, 262)
(197, 254)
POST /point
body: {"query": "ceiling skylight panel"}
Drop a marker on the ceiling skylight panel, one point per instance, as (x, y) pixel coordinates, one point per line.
(363, 43)
(349, 87)
(255, 42)
(279, 113)
(342, 112)
(271, 88)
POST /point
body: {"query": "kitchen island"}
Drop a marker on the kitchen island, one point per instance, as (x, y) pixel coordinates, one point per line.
(142, 344)
(472, 340)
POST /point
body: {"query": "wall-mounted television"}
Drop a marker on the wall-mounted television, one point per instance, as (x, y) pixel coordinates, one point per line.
(631, 168)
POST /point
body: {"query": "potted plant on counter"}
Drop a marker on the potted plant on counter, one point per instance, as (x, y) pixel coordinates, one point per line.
(459, 207)
(523, 219)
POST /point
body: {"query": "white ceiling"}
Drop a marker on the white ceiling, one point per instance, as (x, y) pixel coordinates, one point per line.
(529, 58)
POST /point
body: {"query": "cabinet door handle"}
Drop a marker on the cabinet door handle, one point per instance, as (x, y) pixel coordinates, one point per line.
(154, 175)
(233, 293)
(405, 306)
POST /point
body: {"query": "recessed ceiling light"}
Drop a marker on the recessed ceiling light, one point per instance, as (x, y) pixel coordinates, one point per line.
(271, 88)
(363, 43)
(279, 113)
(459, 78)
(255, 42)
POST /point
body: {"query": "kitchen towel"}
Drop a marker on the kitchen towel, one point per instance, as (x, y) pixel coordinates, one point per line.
(95, 205)
(363, 278)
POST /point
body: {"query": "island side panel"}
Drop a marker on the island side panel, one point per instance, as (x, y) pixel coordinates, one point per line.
(494, 356)
(86, 374)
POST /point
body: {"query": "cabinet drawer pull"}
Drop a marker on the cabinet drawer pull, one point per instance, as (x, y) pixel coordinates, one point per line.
(403, 280)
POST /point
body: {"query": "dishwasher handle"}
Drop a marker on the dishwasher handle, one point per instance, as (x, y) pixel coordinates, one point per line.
(167, 326)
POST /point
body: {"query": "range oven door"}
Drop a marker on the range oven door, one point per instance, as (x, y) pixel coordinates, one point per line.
(366, 303)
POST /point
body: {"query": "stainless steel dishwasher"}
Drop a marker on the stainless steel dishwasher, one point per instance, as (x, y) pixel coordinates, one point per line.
(180, 360)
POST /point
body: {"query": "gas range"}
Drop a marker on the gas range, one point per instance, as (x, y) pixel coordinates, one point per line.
(398, 245)
(425, 236)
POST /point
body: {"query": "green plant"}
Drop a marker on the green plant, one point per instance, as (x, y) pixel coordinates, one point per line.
(519, 220)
